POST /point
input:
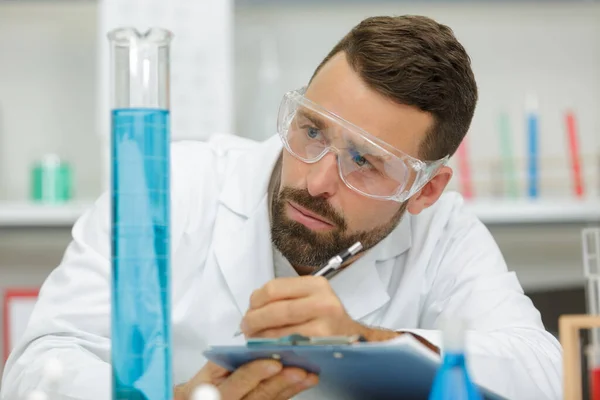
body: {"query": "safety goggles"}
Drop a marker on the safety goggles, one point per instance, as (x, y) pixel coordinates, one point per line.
(366, 164)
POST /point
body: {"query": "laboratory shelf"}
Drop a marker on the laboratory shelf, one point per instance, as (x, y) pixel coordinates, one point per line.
(26, 214)
(499, 212)
(252, 3)
(491, 212)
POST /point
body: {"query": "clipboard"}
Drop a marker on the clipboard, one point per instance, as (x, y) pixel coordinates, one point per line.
(348, 367)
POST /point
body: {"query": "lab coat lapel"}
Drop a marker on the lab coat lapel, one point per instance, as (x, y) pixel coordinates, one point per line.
(359, 286)
(242, 237)
(244, 253)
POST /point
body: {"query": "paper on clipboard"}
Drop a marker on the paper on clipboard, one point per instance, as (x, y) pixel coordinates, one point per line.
(17, 308)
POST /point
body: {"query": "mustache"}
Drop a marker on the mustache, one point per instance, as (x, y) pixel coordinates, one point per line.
(317, 205)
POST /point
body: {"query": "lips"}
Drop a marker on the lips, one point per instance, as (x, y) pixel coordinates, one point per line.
(309, 213)
(308, 218)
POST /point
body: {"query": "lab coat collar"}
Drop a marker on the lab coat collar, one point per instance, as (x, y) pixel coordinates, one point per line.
(243, 247)
(248, 177)
(359, 286)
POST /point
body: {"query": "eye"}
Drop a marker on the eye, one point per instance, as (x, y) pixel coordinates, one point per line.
(359, 160)
(312, 132)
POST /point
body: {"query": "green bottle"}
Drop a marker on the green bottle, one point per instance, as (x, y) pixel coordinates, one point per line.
(51, 181)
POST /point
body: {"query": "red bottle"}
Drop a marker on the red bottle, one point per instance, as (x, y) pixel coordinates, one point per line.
(593, 358)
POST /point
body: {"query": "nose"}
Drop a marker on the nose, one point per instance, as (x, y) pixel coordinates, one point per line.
(323, 178)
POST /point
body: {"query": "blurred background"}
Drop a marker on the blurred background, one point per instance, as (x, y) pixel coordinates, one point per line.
(529, 167)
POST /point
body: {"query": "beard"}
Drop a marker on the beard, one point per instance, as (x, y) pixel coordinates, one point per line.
(302, 246)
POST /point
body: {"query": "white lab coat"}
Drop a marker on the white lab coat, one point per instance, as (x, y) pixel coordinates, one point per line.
(440, 263)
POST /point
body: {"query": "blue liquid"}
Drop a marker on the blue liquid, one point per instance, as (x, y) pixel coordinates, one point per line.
(532, 136)
(141, 340)
(452, 381)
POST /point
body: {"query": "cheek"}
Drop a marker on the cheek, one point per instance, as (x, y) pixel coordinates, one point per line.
(293, 171)
(364, 214)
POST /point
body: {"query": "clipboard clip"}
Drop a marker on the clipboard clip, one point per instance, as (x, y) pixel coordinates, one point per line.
(300, 340)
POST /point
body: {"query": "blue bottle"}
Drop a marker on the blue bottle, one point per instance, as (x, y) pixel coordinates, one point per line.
(452, 380)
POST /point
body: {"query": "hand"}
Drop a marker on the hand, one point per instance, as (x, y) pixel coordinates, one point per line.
(306, 305)
(257, 380)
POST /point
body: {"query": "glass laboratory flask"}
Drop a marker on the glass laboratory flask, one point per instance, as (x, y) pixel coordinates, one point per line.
(140, 215)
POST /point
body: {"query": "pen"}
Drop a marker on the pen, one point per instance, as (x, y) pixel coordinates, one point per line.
(332, 265)
(336, 262)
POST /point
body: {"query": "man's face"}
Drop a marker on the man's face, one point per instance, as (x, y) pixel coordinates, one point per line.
(315, 215)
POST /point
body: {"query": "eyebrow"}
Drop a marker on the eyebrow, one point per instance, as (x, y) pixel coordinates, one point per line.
(319, 123)
(361, 147)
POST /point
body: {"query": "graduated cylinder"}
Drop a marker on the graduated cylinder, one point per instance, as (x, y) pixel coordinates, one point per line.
(141, 339)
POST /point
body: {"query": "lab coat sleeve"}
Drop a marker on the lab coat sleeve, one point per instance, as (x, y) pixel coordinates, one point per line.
(71, 320)
(508, 349)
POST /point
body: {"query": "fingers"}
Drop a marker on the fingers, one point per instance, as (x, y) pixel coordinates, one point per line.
(288, 288)
(288, 381)
(317, 328)
(311, 316)
(311, 381)
(258, 380)
(248, 377)
(209, 373)
(278, 314)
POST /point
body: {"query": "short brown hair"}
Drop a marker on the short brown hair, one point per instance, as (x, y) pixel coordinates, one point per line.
(416, 61)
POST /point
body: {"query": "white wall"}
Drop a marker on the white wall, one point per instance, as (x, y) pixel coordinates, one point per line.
(47, 92)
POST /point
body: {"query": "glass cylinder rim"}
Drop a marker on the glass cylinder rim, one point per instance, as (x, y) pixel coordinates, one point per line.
(125, 36)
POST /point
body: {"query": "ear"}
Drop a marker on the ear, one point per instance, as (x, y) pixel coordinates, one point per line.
(431, 192)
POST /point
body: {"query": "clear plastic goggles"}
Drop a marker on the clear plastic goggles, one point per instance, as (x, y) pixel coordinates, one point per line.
(366, 164)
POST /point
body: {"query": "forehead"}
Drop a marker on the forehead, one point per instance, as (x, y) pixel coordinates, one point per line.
(339, 89)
